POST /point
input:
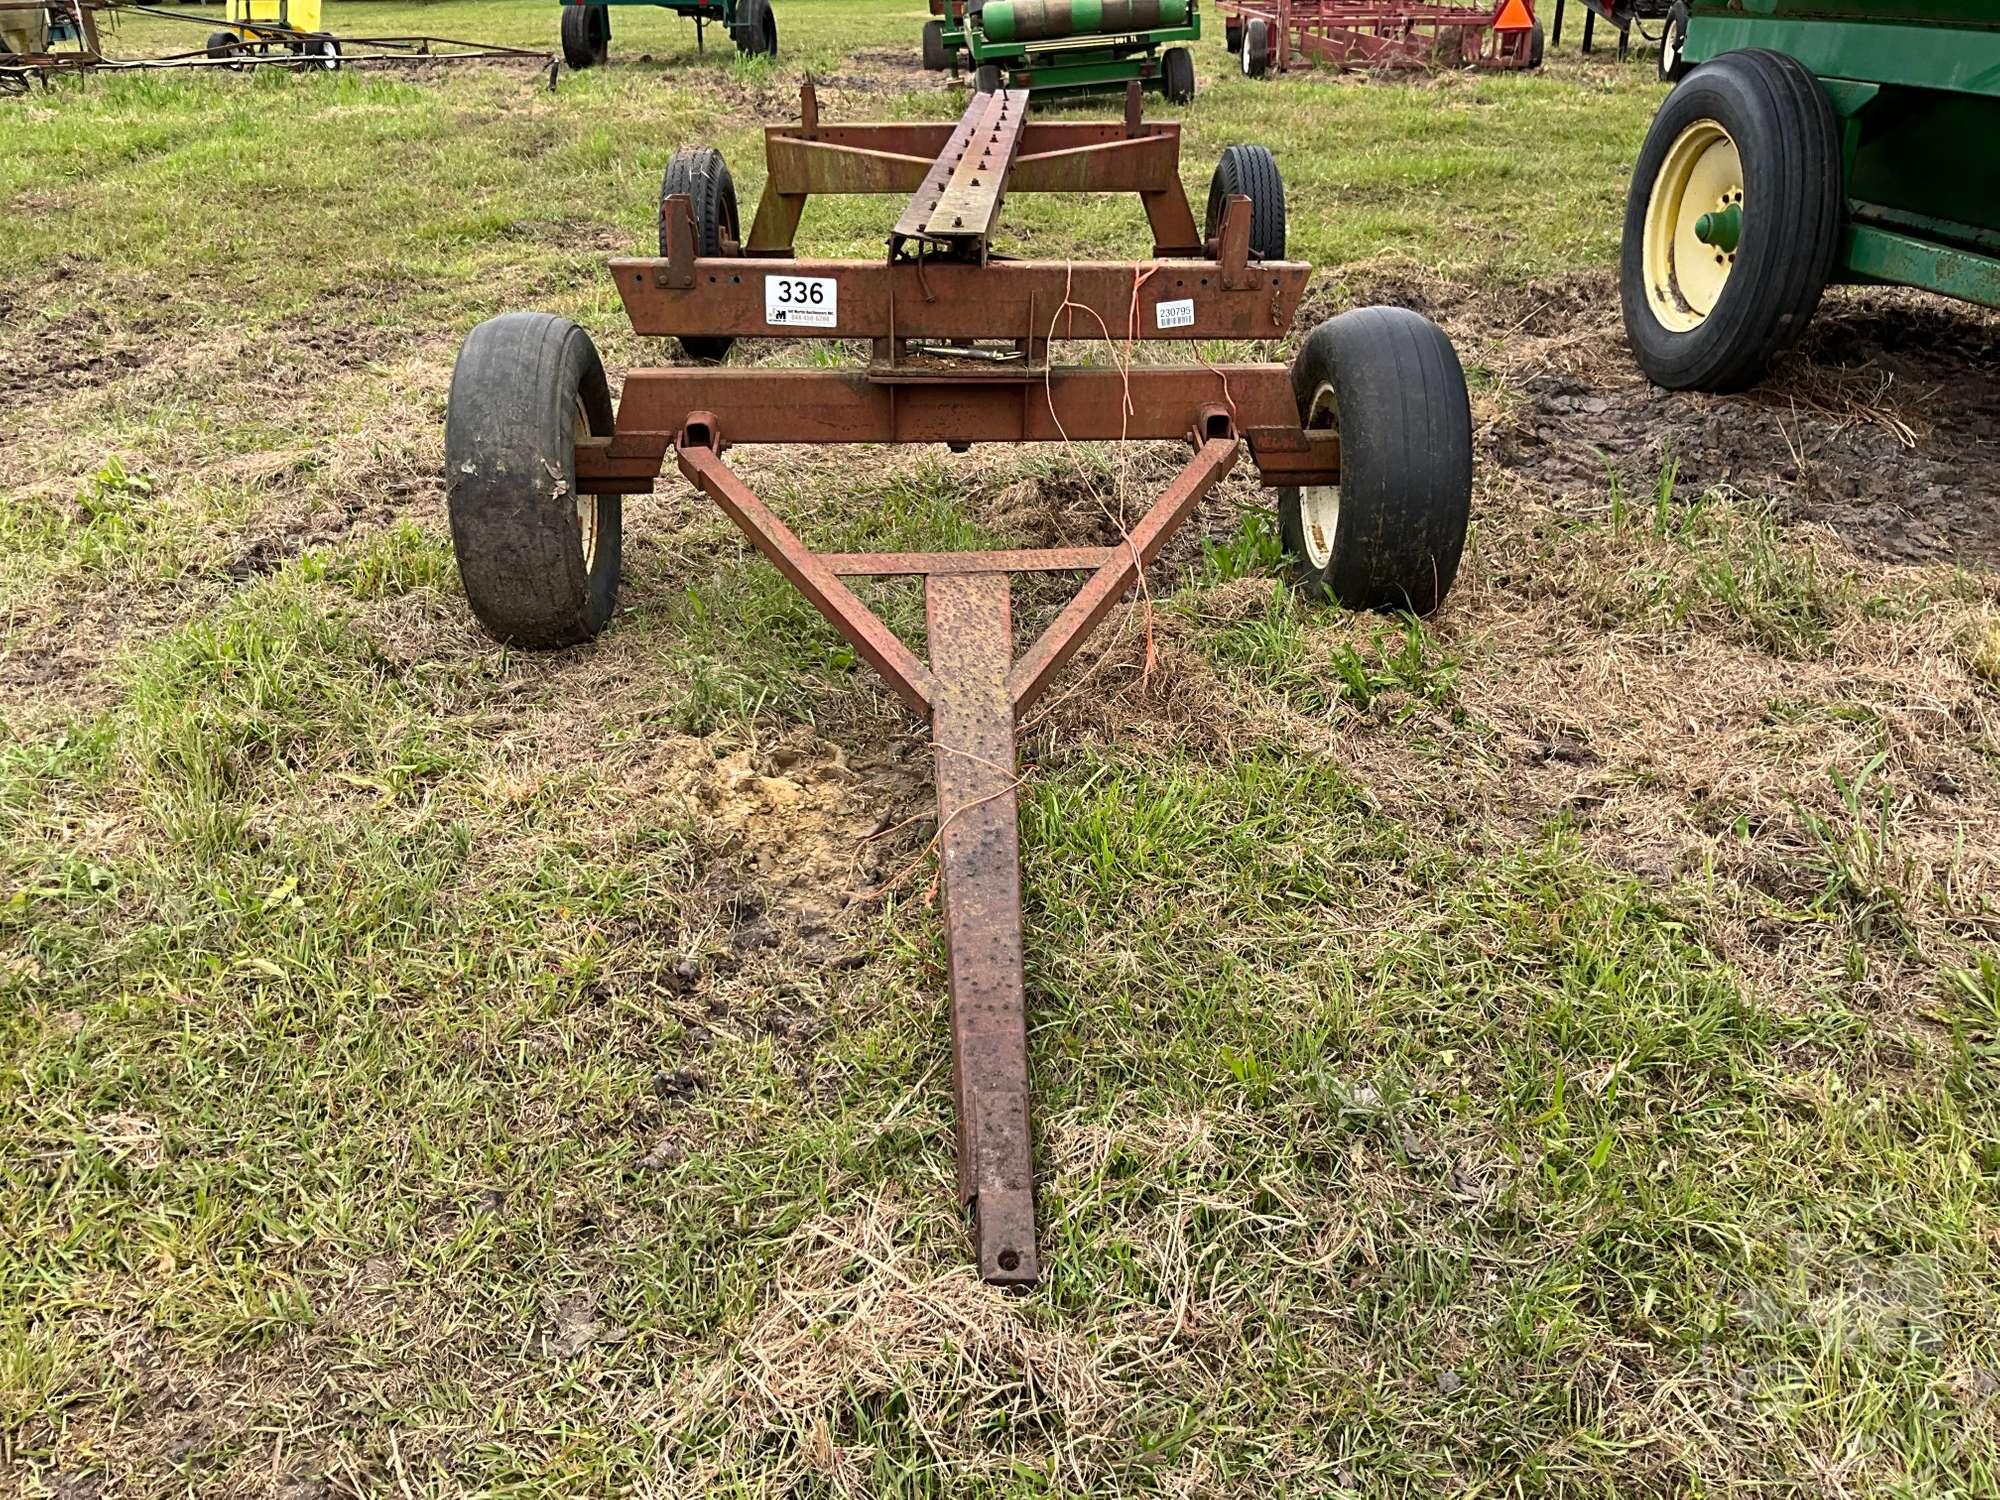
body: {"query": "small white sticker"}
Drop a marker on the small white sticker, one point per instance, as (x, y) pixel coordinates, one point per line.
(801, 301)
(1176, 314)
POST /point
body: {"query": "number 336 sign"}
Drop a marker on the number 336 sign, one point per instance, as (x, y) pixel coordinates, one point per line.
(801, 301)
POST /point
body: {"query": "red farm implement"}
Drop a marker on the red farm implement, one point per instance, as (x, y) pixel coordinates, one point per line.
(1281, 34)
(1366, 437)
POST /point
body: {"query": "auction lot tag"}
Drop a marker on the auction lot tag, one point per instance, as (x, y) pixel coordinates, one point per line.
(1176, 314)
(801, 301)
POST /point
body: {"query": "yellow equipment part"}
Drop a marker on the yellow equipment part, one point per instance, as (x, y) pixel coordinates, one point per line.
(297, 15)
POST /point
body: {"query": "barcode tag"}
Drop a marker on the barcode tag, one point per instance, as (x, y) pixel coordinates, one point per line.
(1176, 314)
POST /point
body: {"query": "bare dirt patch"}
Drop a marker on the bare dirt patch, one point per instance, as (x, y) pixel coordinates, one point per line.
(75, 351)
(1884, 424)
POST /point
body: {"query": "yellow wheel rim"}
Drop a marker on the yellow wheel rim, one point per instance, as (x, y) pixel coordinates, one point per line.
(1319, 504)
(1703, 174)
(586, 505)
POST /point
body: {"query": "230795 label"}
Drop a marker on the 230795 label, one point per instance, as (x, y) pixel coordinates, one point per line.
(801, 301)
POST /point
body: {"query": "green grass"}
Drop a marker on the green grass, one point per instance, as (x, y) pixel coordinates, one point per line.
(1544, 1050)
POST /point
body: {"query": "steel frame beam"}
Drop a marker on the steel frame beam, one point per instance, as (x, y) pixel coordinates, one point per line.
(820, 407)
(949, 299)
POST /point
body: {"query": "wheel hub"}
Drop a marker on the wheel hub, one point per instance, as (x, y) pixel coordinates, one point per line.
(1694, 223)
(1319, 504)
(586, 505)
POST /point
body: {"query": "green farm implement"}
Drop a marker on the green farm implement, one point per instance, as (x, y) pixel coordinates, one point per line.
(1055, 46)
(1808, 142)
(586, 26)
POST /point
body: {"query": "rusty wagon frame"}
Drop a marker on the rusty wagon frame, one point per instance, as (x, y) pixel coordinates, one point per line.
(1278, 35)
(960, 340)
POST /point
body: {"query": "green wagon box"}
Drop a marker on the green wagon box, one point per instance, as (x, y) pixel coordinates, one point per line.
(1055, 46)
(1808, 142)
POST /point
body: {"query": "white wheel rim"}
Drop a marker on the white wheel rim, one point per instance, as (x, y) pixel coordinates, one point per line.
(1319, 504)
(1243, 52)
(1702, 174)
(586, 505)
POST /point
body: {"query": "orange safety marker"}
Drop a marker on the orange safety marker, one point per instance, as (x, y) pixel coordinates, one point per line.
(1514, 16)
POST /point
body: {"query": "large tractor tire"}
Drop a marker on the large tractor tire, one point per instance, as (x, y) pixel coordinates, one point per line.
(586, 36)
(1732, 223)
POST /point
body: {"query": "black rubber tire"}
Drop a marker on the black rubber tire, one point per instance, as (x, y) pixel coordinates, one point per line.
(756, 29)
(1177, 75)
(1405, 492)
(1537, 45)
(510, 481)
(1232, 33)
(1783, 125)
(222, 44)
(586, 35)
(322, 52)
(1256, 48)
(1253, 172)
(701, 173)
(936, 59)
(986, 79)
(1673, 64)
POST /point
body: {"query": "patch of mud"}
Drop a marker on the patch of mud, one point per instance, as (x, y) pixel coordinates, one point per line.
(1884, 424)
(270, 551)
(78, 351)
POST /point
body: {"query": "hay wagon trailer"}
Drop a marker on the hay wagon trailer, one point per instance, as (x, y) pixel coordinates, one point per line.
(1808, 142)
(1366, 438)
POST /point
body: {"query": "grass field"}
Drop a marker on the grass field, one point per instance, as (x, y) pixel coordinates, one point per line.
(1546, 1050)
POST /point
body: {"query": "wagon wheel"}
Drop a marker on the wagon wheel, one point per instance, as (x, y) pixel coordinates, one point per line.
(1253, 172)
(586, 35)
(1256, 55)
(222, 44)
(702, 174)
(1232, 33)
(755, 31)
(1732, 222)
(321, 51)
(539, 561)
(1177, 75)
(1673, 44)
(1389, 534)
(936, 58)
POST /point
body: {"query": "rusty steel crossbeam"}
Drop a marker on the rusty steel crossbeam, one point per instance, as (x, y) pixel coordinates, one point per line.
(955, 300)
(849, 406)
(909, 564)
